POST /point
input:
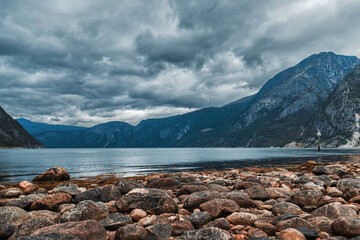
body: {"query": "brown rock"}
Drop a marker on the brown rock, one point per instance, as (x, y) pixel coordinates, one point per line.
(291, 234)
(195, 199)
(164, 183)
(53, 174)
(293, 223)
(109, 193)
(130, 232)
(241, 198)
(53, 216)
(265, 226)
(193, 188)
(84, 230)
(137, 214)
(2, 187)
(11, 193)
(258, 193)
(322, 223)
(307, 198)
(27, 187)
(66, 207)
(115, 221)
(181, 226)
(346, 226)
(216, 207)
(335, 210)
(286, 207)
(33, 224)
(51, 202)
(221, 223)
(13, 215)
(257, 233)
(86, 210)
(241, 218)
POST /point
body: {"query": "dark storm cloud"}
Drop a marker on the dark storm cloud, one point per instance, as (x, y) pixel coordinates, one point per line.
(85, 62)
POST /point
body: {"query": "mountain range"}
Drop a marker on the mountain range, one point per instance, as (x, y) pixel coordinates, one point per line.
(321, 92)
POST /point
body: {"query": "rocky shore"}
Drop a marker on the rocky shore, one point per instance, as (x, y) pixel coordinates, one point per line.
(309, 202)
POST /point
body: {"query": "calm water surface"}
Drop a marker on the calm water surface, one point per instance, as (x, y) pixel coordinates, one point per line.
(25, 164)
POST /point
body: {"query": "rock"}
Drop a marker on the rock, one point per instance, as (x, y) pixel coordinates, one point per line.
(13, 215)
(348, 184)
(164, 183)
(53, 216)
(322, 223)
(241, 198)
(257, 193)
(221, 223)
(307, 198)
(26, 201)
(50, 236)
(335, 210)
(27, 187)
(192, 188)
(241, 218)
(159, 231)
(33, 224)
(217, 188)
(84, 230)
(265, 226)
(293, 223)
(181, 226)
(321, 170)
(310, 234)
(86, 210)
(256, 233)
(200, 218)
(151, 200)
(115, 221)
(285, 207)
(137, 214)
(216, 207)
(346, 226)
(130, 232)
(51, 202)
(11, 193)
(126, 186)
(6, 230)
(195, 199)
(109, 193)
(69, 188)
(92, 194)
(66, 207)
(53, 174)
(291, 234)
(207, 233)
(283, 217)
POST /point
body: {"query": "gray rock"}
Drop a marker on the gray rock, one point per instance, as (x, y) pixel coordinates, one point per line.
(33, 224)
(284, 217)
(285, 207)
(69, 188)
(160, 231)
(86, 210)
(335, 210)
(258, 193)
(109, 193)
(307, 198)
(348, 184)
(310, 234)
(207, 233)
(200, 218)
(348, 227)
(131, 232)
(321, 170)
(92, 194)
(11, 193)
(13, 215)
(126, 186)
(115, 221)
(221, 223)
(195, 199)
(242, 199)
(6, 230)
(26, 201)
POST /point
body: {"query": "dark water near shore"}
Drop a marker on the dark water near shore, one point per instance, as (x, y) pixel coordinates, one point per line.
(25, 164)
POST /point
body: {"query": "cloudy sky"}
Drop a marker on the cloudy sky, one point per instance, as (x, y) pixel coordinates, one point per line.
(83, 62)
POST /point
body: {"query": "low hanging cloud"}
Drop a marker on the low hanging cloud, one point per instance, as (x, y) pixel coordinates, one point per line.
(86, 62)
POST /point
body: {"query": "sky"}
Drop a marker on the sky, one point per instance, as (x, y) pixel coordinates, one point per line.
(85, 62)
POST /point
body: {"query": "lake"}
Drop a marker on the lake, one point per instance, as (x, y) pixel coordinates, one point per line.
(24, 164)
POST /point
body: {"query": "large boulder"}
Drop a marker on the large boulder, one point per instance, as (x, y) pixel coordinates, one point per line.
(51, 202)
(154, 201)
(207, 233)
(115, 221)
(346, 226)
(84, 230)
(335, 210)
(53, 174)
(13, 215)
(307, 198)
(195, 199)
(217, 206)
(86, 210)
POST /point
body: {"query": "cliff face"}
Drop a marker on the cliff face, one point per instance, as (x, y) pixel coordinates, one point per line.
(12, 134)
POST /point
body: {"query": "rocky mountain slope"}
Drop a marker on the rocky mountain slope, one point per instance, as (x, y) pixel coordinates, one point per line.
(12, 134)
(280, 113)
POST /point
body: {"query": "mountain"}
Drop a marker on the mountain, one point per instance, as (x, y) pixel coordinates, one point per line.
(339, 119)
(12, 134)
(280, 113)
(34, 127)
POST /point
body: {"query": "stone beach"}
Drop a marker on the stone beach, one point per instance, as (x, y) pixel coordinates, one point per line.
(309, 201)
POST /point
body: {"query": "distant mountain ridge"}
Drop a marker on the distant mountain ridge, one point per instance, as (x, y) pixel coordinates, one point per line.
(281, 113)
(12, 134)
(35, 127)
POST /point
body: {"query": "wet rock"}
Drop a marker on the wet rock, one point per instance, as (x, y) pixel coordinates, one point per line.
(216, 207)
(195, 199)
(285, 207)
(151, 200)
(293, 223)
(310, 234)
(11, 193)
(192, 188)
(86, 210)
(321, 170)
(53, 216)
(137, 214)
(84, 230)
(53, 174)
(51, 202)
(26, 201)
(126, 186)
(221, 223)
(159, 231)
(335, 210)
(130, 232)
(348, 184)
(291, 234)
(307, 198)
(27, 187)
(69, 188)
(164, 183)
(265, 226)
(13, 215)
(242, 199)
(115, 221)
(346, 226)
(92, 194)
(200, 218)
(257, 193)
(241, 218)
(322, 223)
(109, 193)
(207, 233)
(33, 224)
(6, 230)
(181, 226)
